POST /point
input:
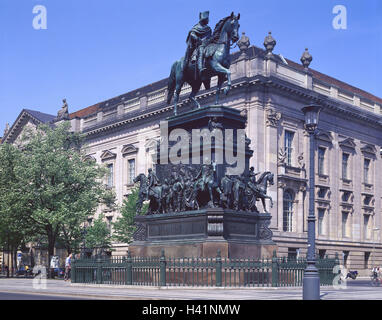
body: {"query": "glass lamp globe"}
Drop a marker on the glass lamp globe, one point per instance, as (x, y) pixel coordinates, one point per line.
(311, 113)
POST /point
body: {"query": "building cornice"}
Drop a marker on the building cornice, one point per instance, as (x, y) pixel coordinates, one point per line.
(261, 81)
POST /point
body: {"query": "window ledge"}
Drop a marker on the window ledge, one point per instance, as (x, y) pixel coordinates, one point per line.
(129, 185)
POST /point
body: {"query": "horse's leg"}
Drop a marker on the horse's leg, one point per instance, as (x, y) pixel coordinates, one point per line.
(178, 89)
(219, 87)
(222, 72)
(211, 195)
(263, 201)
(195, 89)
(149, 209)
(159, 202)
(270, 198)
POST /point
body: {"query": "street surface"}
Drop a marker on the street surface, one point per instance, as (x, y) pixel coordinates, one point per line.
(22, 288)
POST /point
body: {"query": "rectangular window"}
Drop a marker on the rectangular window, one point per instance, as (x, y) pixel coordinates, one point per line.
(345, 196)
(366, 169)
(110, 176)
(321, 219)
(321, 160)
(366, 226)
(288, 140)
(287, 211)
(322, 193)
(292, 253)
(131, 171)
(366, 260)
(345, 222)
(321, 253)
(345, 161)
(345, 255)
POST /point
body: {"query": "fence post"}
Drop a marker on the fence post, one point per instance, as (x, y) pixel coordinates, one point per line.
(129, 269)
(336, 263)
(99, 271)
(162, 262)
(73, 269)
(218, 266)
(275, 270)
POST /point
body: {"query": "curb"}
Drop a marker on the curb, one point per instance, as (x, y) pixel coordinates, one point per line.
(92, 285)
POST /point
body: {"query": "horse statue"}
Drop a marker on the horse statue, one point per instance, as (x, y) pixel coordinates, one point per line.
(259, 190)
(204, 182)
(226, 185)
(142, 194)
(177, 191)
(217, 62)
(233, 192)
(153, 194)
(238, 189)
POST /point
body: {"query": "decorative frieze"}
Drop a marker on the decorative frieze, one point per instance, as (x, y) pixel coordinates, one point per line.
(272, 117)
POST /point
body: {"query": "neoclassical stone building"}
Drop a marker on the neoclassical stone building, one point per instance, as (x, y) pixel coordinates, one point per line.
(122, 132)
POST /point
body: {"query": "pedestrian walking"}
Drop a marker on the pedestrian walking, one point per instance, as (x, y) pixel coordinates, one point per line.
(68, 267)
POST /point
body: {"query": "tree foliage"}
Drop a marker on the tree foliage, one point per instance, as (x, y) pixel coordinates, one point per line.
(98, 235)
(14, 225)
(124, 227)
(54, 187)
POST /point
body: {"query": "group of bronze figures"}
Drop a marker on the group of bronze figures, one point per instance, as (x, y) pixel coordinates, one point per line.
(190, 188)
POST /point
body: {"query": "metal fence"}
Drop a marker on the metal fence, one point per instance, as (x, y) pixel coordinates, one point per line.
(202, 272)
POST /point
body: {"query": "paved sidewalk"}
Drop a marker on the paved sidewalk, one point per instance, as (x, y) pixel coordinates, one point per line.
(356, 290)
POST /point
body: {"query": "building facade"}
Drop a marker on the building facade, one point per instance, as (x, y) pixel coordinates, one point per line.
(122, 133)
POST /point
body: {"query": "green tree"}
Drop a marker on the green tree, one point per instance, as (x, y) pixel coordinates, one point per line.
(98, 235)
(14, 226)
(60, 188)
(124, 227)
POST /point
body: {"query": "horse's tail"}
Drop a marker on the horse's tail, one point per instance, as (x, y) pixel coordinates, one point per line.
(171, 82)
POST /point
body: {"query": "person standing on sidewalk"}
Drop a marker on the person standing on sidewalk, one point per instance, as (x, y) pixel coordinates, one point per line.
(67, 267)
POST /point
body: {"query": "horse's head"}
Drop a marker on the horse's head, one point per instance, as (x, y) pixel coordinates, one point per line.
(227, 29)
(139, 178)
(266, 177)
(234, 27)
(270, 177)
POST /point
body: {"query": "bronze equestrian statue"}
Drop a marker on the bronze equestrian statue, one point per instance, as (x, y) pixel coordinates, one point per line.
(213, 59)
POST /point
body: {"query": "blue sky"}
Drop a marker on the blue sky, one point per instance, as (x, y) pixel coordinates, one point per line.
(94, 50)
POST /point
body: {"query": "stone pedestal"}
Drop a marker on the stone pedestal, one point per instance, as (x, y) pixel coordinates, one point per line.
(201, 233)
(195, 189)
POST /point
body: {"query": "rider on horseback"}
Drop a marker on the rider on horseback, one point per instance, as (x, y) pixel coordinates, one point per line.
(204, 172)
(153, 179)
(197, 39)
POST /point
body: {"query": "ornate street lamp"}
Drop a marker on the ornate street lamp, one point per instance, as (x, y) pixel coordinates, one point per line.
(311, 281)
(374, 242)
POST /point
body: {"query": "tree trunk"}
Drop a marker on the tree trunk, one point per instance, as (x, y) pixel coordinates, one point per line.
(51, 243)
(14, 261)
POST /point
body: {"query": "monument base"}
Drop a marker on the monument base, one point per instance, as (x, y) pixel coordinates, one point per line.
(202, 233)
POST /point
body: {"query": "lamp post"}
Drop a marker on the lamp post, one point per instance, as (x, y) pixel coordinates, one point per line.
(374, 241)
(311, 280)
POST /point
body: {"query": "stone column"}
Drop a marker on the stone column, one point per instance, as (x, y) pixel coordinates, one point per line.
(271, 150)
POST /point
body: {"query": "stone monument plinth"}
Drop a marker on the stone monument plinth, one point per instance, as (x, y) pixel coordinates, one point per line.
(201, 233)
(202, 192)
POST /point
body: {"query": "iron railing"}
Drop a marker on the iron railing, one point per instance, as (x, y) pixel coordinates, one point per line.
(198, 272)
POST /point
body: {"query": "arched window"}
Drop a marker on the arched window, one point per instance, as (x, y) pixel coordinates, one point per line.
(287, 211)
